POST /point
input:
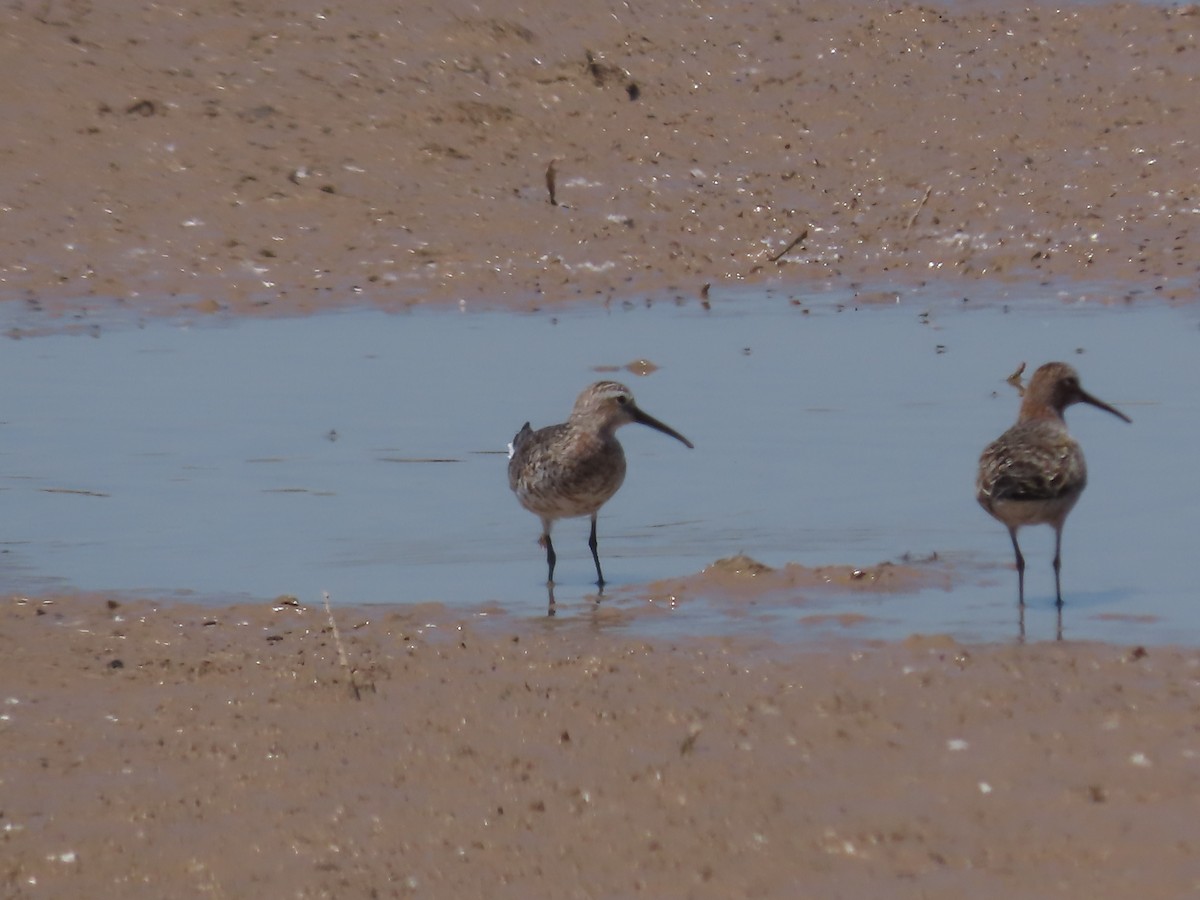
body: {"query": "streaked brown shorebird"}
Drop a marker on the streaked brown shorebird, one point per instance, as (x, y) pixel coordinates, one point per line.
(572, 469)
(1034, 473)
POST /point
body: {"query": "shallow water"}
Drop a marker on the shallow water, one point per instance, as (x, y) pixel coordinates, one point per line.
(363, 453)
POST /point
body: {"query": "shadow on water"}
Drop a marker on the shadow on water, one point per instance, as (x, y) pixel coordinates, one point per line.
(363, 453)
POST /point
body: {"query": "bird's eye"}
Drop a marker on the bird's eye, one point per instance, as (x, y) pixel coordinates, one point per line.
(622, 399)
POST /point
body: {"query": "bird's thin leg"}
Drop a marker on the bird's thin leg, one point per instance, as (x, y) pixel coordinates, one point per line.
(551, 559)
(1012, 532)
(551, 608)
(1058, 567)
(596, 555)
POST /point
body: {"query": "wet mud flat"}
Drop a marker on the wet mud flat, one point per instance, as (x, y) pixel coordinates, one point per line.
(242, 160)
(180, 750)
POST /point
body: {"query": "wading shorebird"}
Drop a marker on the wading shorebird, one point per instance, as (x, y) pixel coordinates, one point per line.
(1034, 472)
(572, 469)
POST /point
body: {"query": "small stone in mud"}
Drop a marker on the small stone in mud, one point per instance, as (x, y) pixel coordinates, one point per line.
(142, 108)
(689, 742)
(604, 72)
(116, 664)
(641, 367)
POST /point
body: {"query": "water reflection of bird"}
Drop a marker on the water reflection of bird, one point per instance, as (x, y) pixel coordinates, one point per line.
(572, 469)
(1035, 472)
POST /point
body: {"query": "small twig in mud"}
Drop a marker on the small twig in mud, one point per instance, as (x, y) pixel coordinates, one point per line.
(551, 175)
(920, 206)
(341, 648)
(1015, 379)
(796, 240)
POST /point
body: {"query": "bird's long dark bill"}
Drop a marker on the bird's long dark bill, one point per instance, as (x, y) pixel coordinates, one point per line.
(1100, 404)
(646, 419)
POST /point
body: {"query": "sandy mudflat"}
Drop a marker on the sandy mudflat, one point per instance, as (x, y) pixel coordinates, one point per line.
(227, 158)
(183, 751)
(230, 157)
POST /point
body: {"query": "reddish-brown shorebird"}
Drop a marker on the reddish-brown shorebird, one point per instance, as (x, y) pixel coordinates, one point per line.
(1034, 473)
(572, 469)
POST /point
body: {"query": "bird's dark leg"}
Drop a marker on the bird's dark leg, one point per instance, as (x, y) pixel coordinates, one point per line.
(1057, 586)
(1012, 532)
(596, 555)
(551, 559)
(551, 608)
(1058, 566)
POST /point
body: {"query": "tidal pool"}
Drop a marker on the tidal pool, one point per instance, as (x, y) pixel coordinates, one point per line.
(362, 453)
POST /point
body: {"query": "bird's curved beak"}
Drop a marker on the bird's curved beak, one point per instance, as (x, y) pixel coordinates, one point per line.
(647, 419)
(1100, 404)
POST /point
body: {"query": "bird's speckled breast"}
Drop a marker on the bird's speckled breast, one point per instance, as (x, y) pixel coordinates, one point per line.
(562, 472)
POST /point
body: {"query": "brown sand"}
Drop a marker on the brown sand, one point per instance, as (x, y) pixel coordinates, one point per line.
(183, 751)
(220, 156)
(223, 156)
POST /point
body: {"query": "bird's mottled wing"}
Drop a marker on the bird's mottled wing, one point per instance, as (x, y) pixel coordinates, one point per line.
(1031, 461)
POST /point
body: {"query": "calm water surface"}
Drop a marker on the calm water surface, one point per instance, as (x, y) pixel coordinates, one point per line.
(363, 453)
